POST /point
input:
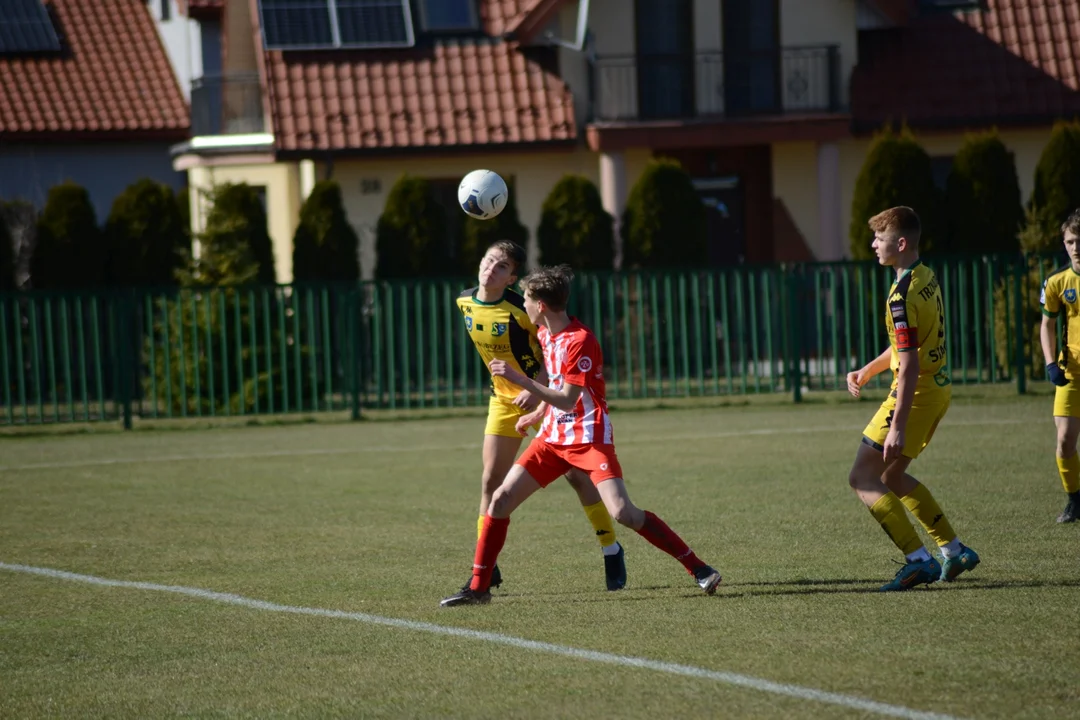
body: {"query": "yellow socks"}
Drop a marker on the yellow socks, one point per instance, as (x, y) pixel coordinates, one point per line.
(926, 510)
(889, 512)
(601, 522)
(1070, 472)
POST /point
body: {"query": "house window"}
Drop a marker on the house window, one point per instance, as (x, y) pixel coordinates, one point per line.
(436, 15)
(665, 58)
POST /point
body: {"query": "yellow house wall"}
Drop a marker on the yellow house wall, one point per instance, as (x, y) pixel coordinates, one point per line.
(282, 184)
(794, 172)
(612, 22)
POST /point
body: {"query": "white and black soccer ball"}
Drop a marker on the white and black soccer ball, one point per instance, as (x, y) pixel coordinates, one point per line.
(482, 194)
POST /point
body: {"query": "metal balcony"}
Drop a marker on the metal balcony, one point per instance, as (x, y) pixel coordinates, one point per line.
(716, 84)
(226, 105)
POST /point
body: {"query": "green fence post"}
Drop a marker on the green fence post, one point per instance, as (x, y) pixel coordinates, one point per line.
(1018, 278)
(125, 316)
(354, 315)
(794, 358)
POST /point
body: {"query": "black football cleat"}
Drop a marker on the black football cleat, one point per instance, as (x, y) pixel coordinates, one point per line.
(467, 596)
(1071, 513)
(707, 579)
(496, 580)
(615, 570)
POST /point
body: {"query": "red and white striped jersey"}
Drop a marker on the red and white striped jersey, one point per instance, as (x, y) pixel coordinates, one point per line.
(573, 356)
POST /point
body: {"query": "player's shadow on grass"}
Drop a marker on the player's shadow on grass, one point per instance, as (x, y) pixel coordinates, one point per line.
(802, 586)
(828, 587)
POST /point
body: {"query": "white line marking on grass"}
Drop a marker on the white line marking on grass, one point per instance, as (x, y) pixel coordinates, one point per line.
(443, 448)
(239, 456)
(746, 681)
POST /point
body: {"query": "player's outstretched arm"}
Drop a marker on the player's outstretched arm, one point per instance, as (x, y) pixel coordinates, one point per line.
(526, 400)
(564, 398)
(858, 378)
(529, 419)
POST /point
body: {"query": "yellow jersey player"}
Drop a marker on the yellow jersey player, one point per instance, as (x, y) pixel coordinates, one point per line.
(918, 400)
(495, 318)
(1060, 293)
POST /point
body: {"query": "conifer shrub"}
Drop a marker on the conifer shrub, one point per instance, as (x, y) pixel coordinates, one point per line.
(664, 221)
(325, 244)
(69, 251)
(574, 227)
(897, 171)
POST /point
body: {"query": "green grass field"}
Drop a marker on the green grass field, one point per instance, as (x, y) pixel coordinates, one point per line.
(376, 520)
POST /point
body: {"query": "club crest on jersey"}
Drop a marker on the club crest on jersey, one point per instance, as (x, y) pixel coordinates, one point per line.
(1070, 295)
(498, 329)
(468, 324)
(584, 364)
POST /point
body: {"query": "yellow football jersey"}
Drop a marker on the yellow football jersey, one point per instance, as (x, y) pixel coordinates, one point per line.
(502, 330)
(915, 319)
(1060, 292)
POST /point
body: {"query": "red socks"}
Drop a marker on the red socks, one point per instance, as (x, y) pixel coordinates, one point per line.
(659, 534)
(492, 539)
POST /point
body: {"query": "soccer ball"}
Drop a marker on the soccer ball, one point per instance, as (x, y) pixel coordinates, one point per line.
(482, 194)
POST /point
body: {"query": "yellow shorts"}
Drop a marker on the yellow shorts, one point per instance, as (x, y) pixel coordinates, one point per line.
(502, 416)
(926, 413)
(1067, 401)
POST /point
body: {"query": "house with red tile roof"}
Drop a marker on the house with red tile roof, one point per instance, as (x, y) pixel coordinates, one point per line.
(89, 95)
(769, 104)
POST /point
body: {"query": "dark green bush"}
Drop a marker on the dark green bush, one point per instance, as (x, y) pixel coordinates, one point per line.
(145, 236)
(325, 244)
(1057, 184)
(7, 258)
(268, 322)
(70, 251)
(664, 221)
(896, 171)
(983, 198)
(575, 228)
(411, 233)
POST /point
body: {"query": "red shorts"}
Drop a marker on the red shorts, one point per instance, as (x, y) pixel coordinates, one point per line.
(546, 462)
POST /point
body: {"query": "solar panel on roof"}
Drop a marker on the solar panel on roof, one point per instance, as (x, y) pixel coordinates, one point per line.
(375, 23)
(329, 24)
(25, 27)
(449, 14)
(296, 23)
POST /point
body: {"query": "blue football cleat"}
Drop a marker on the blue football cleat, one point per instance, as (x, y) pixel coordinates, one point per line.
(920, 572)
(964, 562)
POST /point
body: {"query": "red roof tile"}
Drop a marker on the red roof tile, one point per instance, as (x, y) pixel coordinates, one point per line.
(1018, 62)
(457, 93)
(502, 16)
(112, 78)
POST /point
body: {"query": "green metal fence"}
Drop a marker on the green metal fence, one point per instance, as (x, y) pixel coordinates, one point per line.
(119, 355)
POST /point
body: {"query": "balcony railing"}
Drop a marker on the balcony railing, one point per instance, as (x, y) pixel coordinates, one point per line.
(716, 84)
(226, 105)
